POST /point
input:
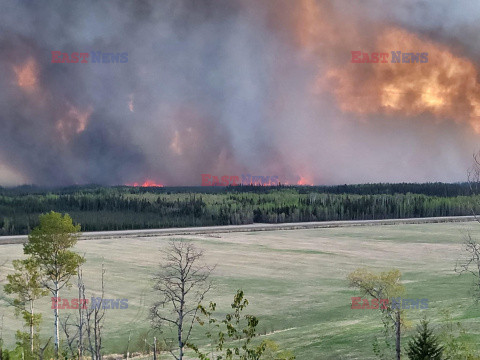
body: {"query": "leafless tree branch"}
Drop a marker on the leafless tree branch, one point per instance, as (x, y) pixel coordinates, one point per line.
(182, 283)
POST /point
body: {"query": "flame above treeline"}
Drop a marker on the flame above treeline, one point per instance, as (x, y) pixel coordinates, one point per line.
(243, 86)
(146, 183)
(302, 182)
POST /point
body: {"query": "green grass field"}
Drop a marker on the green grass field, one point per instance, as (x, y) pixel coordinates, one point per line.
(295, 281)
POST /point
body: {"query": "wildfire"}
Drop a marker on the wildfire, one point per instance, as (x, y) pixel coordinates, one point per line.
(175, 144)
(131, 105)
(260, 183)
(27, 75)
(147, 183)
(445, 87)
(73, 122)
(304, 181)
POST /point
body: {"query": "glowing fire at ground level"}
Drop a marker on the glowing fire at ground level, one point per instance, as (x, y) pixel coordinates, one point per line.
(146, 183)
(302, 182)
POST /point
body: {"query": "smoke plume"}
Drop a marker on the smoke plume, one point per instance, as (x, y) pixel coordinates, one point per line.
(237, 87)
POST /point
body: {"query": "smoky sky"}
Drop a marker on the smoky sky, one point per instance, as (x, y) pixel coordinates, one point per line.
(237, 87)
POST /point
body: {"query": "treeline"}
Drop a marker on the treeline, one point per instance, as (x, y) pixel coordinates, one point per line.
(431, 189)
(119, 208)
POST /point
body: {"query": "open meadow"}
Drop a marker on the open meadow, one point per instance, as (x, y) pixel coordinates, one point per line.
(294, 280)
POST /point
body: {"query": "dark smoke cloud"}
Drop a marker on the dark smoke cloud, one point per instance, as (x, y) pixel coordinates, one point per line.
(220, 87)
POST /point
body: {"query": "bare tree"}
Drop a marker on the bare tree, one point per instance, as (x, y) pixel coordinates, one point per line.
(1, 338)
(95, 317)
(41, 351)
(181, 283)
(470, 262)
(66, 325)
(473, 176)
(81, 312)
(74, 328)
(85, 330)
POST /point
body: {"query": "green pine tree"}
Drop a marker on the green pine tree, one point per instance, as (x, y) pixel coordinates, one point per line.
(424, 346)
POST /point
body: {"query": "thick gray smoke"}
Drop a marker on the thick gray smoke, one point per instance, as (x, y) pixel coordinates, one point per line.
(226, 88)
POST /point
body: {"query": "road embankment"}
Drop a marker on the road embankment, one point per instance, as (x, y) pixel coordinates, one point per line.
(20, 239)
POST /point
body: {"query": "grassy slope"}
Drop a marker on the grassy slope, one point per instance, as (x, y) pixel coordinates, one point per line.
(295, 281)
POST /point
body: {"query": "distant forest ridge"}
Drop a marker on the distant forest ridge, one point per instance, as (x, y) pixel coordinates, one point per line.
(432, 189)
(99, 208)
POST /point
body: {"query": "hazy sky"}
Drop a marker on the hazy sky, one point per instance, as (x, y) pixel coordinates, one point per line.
(230, 87)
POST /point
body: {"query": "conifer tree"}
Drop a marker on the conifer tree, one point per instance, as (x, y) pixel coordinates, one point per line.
(424, 346)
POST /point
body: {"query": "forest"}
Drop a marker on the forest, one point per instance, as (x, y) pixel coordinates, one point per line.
(100, 208)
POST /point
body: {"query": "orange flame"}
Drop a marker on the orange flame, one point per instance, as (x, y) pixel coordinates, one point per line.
(131, 105)
(27, 75)
(304, 181)
(147, 183)
(73, 122)
(438, 86)
(446, 87)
